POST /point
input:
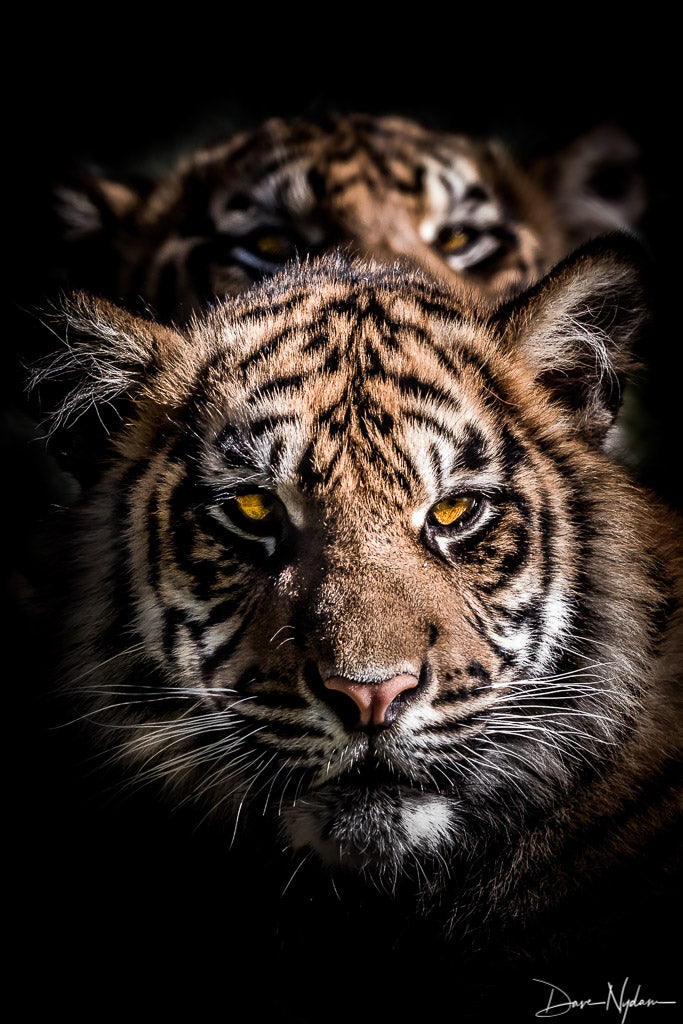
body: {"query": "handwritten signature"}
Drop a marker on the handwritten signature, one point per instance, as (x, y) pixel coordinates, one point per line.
(560, 1002)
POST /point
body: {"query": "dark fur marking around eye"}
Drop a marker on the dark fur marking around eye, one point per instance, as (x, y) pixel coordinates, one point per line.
(472, 454)
(415, 415)
(317, 184)
(239, 201)
(513, 452)
(269, 424)
(309, 477)
(277, 450)
(476, 194)
(447, 184)
(434, 456)
(236, 455)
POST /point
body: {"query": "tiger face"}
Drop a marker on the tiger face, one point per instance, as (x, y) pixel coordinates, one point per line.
(352, 567)
(381, 188)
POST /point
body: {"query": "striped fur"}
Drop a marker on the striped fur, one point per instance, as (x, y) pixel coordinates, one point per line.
(544, 632)
(382, 187)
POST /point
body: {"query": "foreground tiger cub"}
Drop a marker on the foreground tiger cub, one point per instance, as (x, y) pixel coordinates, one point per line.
(359, 567)
(386, 188)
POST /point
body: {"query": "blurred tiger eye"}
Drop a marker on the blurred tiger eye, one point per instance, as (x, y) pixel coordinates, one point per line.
(449, 511)
(450, 239)
(275, 247)
(255, 506)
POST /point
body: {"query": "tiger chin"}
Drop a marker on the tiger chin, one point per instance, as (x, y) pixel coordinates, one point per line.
(358, 566)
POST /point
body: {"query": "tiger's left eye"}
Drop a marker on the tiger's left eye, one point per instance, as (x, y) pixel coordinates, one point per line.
(452, 511)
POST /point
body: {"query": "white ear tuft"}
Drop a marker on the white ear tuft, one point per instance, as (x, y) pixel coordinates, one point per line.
(577, 328)
(91, 204)
(106, 354)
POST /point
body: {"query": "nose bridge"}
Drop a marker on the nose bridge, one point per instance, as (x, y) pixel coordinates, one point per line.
(380, 227)
(361, 208)
(365, 608)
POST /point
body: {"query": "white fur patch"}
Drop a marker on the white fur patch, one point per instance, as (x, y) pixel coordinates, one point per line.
(427, 821)
(425, 826)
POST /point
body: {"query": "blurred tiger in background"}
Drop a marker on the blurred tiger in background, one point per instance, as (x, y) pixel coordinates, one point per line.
(381, 187)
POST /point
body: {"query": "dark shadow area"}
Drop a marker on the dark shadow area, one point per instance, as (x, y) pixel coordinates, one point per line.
(122, 906)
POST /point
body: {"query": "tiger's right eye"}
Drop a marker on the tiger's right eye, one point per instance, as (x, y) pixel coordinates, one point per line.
(274, 247)
(254, 506)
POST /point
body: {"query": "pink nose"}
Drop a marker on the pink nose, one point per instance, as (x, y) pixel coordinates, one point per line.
(372, 699)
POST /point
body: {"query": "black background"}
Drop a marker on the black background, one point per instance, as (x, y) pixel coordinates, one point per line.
(105, 907)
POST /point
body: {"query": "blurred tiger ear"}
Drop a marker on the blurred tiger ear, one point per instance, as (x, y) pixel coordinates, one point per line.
(576, 330)
(90, 209)
(596, 184)
(108, 362)
(90, 202)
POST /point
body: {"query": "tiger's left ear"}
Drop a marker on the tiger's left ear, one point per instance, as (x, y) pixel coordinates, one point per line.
(577, 328)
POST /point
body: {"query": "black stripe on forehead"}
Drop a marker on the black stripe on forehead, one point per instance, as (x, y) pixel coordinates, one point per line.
(260, 143)
(234, 442)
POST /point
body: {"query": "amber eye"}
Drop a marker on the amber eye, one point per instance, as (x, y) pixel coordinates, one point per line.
(257, 513)
(453, 239)
(255, 506)
(274, 247)
(452, 510)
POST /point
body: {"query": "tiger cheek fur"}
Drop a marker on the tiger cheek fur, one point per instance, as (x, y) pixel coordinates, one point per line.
(352, 568)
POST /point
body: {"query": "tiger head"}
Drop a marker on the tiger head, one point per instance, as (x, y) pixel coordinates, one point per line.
(359, 566)
(383, 188)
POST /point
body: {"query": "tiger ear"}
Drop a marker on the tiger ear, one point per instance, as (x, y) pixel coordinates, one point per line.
(90, 202)
(107, 364)
(577, 328)
(596, 184)
(90, 209)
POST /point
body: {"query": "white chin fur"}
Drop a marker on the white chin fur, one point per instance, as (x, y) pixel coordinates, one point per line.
(374, 829)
